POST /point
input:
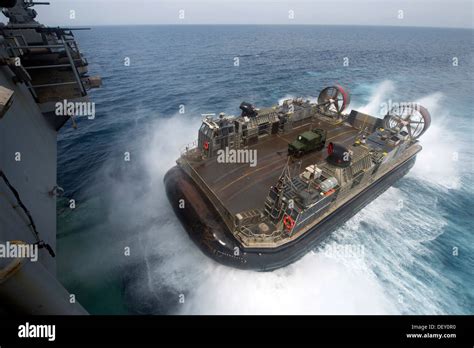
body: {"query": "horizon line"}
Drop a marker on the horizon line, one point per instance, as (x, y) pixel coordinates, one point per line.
(264, 24)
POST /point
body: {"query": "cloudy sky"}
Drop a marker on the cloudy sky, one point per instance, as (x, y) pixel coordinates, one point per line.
(434, 13)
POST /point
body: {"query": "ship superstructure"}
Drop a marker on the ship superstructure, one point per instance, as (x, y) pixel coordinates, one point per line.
(39, 68)
(267, 215)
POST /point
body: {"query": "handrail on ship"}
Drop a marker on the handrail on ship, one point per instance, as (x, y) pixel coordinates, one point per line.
(67, 45)
(188, 147)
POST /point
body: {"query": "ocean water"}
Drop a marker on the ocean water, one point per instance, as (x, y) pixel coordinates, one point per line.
(417, 238)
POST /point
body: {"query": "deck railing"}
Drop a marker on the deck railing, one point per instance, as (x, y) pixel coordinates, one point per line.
(64, 43)
(189, 147)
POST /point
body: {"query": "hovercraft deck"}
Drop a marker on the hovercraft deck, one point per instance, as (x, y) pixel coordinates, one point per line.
(260, 190)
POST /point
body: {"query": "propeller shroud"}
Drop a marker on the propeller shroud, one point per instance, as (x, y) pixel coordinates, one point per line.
(411, 117)
(334, 98)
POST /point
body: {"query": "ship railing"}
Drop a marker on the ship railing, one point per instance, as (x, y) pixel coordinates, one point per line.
(67, 44)
(191, 147)
(261, 241)
(251, 237)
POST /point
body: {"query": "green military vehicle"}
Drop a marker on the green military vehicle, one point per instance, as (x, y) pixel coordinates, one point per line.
(309, 141)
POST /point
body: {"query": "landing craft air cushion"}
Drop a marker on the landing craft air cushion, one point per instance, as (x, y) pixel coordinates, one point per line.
(267, 216)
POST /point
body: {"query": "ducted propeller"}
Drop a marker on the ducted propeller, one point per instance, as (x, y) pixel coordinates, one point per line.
(412, 118)
(334, 99)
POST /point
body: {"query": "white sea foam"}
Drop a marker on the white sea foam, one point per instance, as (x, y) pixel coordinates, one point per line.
(438, 163)
(381, 94)
(287, 96)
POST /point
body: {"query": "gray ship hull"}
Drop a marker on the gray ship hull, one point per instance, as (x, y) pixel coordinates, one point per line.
(208, 231)
(41, 66)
